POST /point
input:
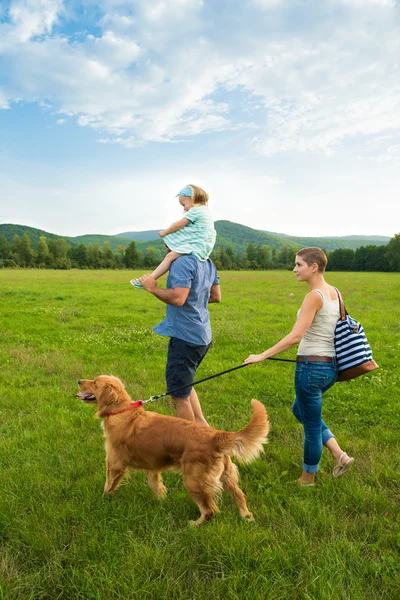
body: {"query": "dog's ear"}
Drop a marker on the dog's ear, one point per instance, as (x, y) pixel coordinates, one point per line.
(108, 399)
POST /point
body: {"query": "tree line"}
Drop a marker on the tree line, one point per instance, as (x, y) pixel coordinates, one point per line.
(365, 258)
(58, 254)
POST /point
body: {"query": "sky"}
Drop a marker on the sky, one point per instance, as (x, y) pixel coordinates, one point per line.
(287, 112)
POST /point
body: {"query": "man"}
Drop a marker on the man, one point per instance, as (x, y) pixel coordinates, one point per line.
(191, 286)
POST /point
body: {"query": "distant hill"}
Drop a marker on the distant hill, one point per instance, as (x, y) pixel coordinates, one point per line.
(229, 234)
(9, 230)
(143, 236)
(239, 236)
(89, 238)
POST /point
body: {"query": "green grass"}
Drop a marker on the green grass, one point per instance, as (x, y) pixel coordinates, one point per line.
(60, 539)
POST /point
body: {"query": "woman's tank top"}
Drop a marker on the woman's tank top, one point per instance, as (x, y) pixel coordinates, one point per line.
(319, 339)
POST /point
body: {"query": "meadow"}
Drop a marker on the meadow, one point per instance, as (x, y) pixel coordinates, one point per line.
(61, 539)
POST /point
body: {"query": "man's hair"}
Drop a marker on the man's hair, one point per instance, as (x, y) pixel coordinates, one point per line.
(199, 196)
(314, 255)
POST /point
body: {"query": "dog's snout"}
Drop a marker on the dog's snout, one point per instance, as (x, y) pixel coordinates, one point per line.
(79, 381)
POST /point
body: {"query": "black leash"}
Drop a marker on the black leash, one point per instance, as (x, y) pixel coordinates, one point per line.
(172, 392)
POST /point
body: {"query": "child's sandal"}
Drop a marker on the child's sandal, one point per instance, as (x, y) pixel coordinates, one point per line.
(136, 283)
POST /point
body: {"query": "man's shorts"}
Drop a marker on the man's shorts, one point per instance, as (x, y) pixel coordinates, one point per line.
(182, 362)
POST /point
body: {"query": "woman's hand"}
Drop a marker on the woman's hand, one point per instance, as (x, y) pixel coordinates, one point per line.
(162, 233)
(254, 358)
(311, 304)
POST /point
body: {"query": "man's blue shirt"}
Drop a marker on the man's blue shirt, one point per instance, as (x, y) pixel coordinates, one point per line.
(190, 322)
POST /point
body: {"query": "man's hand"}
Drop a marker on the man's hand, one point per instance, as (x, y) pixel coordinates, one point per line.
(176, 296)
(148, 282)
(162, 233)
(215, 294)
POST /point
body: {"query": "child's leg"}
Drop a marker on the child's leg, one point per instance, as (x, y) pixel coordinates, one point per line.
(164, 266)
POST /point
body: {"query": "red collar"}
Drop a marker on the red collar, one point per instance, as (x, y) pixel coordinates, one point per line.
(133, 405)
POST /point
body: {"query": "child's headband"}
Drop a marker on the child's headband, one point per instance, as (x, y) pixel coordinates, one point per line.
(186, 191)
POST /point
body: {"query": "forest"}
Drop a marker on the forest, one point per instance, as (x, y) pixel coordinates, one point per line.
(59, 254)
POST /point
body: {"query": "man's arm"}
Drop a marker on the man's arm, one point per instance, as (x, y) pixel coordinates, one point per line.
(215, 294)
(175, 296)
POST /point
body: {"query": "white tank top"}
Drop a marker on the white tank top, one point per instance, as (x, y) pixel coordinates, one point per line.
(319, 339)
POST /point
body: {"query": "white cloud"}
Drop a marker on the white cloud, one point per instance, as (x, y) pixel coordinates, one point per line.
(154, 71)
(382, 149)
(366, 3)
(115, 52)
(393, 152)
(267, 3)
(34, 17)
(4, 103)
(169, 9)
(319, 95)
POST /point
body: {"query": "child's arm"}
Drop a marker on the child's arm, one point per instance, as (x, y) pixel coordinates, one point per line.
(174, 227)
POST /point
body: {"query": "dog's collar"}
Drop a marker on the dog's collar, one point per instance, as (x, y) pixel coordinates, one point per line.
(117, 412)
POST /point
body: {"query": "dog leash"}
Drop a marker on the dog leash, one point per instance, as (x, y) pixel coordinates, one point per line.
(171, 392)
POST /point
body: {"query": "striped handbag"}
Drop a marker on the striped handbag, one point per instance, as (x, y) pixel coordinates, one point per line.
(353, 352)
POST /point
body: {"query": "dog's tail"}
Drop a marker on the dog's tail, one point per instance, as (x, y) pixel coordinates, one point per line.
(246, 444)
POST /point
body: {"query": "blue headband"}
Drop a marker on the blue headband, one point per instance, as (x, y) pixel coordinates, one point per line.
(186, 191)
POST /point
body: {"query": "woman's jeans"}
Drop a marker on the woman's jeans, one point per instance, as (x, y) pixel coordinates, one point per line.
(312, 380)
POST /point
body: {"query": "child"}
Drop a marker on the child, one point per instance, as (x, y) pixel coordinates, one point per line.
(193, 234)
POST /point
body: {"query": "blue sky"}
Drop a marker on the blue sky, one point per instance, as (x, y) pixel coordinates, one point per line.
(286, 111)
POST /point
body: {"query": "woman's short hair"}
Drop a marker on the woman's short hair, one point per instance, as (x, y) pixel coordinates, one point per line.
(314, 255)
(199, 196)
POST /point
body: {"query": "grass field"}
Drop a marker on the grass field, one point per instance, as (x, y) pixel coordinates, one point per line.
(61, 539)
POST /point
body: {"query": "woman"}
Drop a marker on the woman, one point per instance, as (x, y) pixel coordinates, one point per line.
(316, 369)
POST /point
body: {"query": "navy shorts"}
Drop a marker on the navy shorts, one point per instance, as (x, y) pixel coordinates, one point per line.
(182, 362)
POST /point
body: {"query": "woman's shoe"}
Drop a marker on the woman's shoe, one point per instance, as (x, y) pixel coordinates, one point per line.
(342, 465)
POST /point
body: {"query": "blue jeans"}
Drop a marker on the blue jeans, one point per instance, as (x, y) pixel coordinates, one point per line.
(312, 380)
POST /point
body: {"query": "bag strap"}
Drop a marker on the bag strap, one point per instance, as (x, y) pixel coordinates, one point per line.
(341, 306)
(319, 292)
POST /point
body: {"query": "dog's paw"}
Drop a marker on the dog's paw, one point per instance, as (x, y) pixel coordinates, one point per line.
(196, 523)
(161, 492)
(202, 519)
(192, 524)
(248, 516)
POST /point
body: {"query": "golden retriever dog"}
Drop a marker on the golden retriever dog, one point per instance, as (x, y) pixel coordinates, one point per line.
(146, 441)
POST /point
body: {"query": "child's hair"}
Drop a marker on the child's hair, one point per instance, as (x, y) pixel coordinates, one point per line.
(199, 196)
(314, 255)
